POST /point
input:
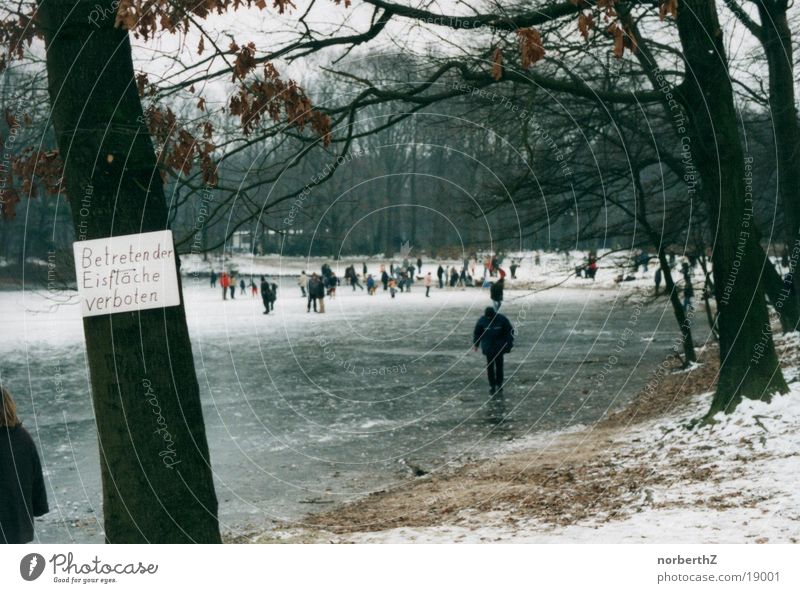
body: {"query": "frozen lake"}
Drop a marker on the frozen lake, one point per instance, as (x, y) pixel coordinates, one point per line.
(304, 410)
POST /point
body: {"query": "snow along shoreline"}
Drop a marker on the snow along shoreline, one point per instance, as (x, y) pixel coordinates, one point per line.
(639, 476)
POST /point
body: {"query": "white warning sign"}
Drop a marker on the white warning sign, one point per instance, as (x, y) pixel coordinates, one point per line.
(127, 273)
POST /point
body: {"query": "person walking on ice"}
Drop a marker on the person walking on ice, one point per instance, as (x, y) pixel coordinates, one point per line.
(495, 335)
(428, 281)
(265, 295)
(224, 280)
(496, 291)
(302, 281)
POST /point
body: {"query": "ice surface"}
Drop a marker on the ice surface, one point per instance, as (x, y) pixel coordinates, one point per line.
(304, 409)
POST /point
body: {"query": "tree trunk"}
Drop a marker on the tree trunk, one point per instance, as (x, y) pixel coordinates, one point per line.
(786, 305)
(157, 480)
(748, 363)
(684, 321)
(777, 41)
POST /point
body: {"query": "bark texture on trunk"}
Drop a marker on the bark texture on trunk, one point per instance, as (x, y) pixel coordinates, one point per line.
(749, 366)
(776, 38)
(156, 474)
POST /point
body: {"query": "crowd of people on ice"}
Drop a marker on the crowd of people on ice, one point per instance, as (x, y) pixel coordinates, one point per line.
(396, 278)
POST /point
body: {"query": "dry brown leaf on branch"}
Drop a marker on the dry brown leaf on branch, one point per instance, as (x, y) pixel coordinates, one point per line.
(619, 38)
(282, 5)
(16, 33)
(497, 64)
(668, 7)
(585, 24)
(11, 120)
(141, 83)
(530, 47)
(245, 61)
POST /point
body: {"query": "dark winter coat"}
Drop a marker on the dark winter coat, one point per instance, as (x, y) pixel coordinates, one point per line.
(496, 291)
(495, 335)
(316, 288)
(265, 291)
(22, 492)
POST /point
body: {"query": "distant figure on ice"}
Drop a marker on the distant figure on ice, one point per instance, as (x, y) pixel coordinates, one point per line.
(223, 282)
(453, 277)
(392, 287)
(591, 267)
(302, 281)
(253, 289)
(364, 269)
(385, 279)
(658, 280)
(496, 293)
(495, 335)
(428, 281)
(513, 268)
(213, 279)
(440, 275)
(371, 284)
(419, 265)
(265, 295)
(316, 292)
(330, 284)
(354, 279)
(232, 286)
(22, 492)
(242, 286)
(688, 295)
(273, 295)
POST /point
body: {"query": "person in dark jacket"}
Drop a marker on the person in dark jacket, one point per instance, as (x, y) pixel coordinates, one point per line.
(385, 279)
(273, 296)
(22, 492)
(313, 287)
(440, 276)
(496, 293)
(266, 293)
(319, 293)
(495, 335)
